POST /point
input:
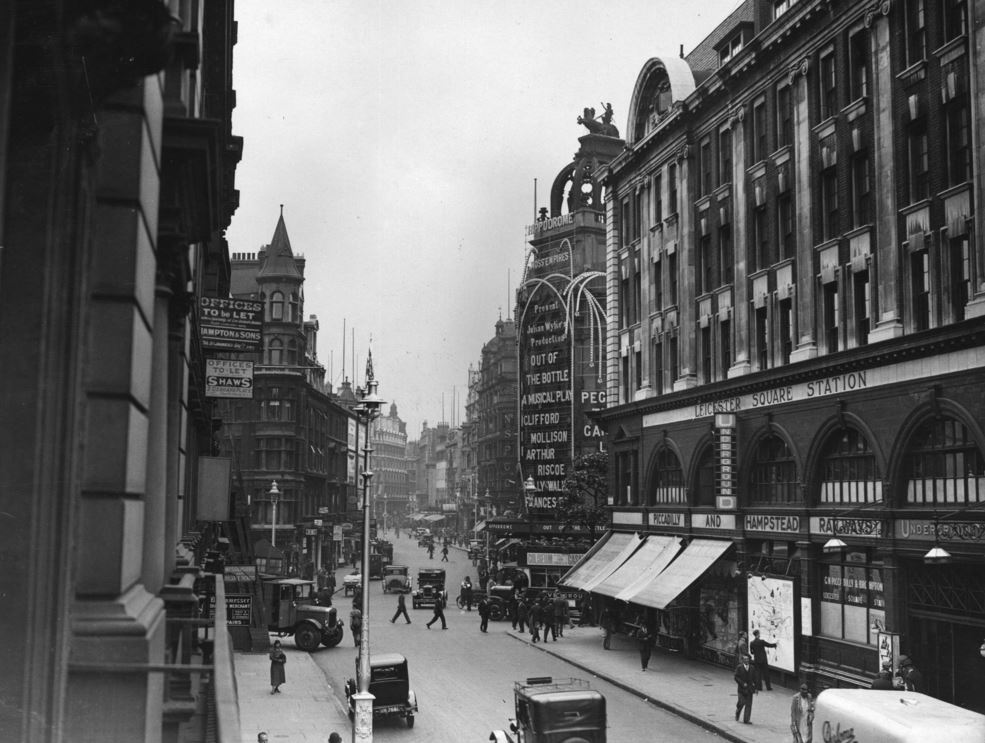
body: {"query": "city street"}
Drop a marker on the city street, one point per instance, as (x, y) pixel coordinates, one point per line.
(464, 678)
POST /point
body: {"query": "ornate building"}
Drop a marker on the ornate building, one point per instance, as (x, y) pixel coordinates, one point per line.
(388, 462)
(796, 289)
(117, 166)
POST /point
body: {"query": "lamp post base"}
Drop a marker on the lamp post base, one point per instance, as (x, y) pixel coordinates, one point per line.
(362, 720)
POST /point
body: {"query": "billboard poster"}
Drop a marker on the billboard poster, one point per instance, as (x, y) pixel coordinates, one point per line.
(227, 378)
(771, 611)
(238, 609)
(230, 324)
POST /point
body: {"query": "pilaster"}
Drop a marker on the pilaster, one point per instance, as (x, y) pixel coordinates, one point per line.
(740, 244)
(805, 320)
(687, 376)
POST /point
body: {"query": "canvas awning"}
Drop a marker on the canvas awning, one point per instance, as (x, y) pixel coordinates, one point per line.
(664, 550)
(690, 565)
(479, 527)
(433, 517)
(597, 567)
(505, 543)
(656, 549)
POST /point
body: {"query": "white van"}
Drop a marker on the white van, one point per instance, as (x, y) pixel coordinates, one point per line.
(870, 716)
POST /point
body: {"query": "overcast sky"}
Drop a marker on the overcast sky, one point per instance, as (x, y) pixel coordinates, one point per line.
(403, 139)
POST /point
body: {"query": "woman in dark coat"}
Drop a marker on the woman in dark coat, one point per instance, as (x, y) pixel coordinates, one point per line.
(277, 661)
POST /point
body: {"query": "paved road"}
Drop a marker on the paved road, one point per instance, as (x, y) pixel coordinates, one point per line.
(464, 678)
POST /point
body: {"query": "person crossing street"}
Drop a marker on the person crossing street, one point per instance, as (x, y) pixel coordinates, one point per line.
(401, 609)
(439, 613)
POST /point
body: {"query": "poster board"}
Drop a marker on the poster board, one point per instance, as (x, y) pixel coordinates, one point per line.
(771, 611)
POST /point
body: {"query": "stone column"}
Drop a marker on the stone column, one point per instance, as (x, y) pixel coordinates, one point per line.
(686, 346)
(802, 178)
(740, 244)
(976, 24)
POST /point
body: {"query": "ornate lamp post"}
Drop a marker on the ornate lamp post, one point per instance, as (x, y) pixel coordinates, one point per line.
(367, 409)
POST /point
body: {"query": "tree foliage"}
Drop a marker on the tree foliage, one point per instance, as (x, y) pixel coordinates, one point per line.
(585, 495)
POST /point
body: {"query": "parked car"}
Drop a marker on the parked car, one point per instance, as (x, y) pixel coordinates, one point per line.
(389, 685)
(552, 710)
(396, 579)
(423, 536)
(292, 611)
(430, 588)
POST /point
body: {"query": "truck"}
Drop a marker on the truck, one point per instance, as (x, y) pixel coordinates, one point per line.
(292, 610)
(549, 710)
(892, 716)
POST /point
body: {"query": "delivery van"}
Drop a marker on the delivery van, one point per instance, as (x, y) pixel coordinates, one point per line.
(870, 716)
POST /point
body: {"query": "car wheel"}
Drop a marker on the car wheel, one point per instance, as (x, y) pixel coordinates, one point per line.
(460, 602)
(307, 637)
(333, 637)
(410, 721)
(495, 612)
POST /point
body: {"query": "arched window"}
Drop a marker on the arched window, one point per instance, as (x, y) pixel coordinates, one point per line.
(848, 471)
(943, 466)
(276, 306)
(275, 352)
(294, 309)
(668, 480)
(705, 486)
(773, 478)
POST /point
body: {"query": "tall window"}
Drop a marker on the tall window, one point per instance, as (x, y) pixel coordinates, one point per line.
(725, 156)
(848, 470)
(275, 352)
(668, 479)
(638, 215)
(638, 363)
(831, 316)
(761, 238)
(672, 277)
(786, 330)
(706, 359)
(294, 309)
(829, 203)
(918, 163)
(637, 291)
(658, 285)
(954, 18)
(853, 600)
(863, 306)
(627, 381)
(626, 223)
(657, 368)
(705, 486)
(658, 198)
(759, 131)
(725, 354)
(726, 254)
(276, 306)
(784, 116)
(706, 276)
(920, 289)
(915, 20)
(705, 165)
(859, 52)
(773, 474)
(861, 190)
(672, 203)
(960, 259)
(673, 361)
(625, 298)
(829, 86)
(943, 465)
(957, 130)
(762, 338)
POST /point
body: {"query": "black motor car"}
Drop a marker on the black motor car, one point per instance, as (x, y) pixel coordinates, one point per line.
(430, 588)
(389, 685)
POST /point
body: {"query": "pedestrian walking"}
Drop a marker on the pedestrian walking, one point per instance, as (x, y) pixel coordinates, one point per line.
(467, 593)
(401, 609)
(521, 615)
(536, 618)
(884, 681)
(356, 625)
(745, 681)
(559, 608)
(439, 613)
(645, 640)
(430, 550)
(483, 614)
(760, 662)
(608, 622)
(444, 553)
(262, 737)
(277, 661)
(912, 678)
(802, 715)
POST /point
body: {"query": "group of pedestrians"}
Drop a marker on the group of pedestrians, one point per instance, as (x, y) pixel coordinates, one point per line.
(544, 617)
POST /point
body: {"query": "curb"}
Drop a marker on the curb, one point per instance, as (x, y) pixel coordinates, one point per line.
(669, 707)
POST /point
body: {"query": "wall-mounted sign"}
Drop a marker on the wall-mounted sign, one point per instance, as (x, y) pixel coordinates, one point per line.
(225, 378)
(850, 527)
(773, 523)
(238, 610)
(230, 324)
(725, 521)
(667, 518)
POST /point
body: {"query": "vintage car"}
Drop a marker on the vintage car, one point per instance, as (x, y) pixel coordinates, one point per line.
(552, 710)
(396, 579)
(389, 685)
(423, 537)
(351, 582)
(430, 588)
(292, 610)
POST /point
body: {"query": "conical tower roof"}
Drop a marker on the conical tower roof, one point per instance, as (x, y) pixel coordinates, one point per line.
(279, 261)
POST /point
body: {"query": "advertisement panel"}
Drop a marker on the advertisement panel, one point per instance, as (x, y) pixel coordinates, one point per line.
(230, 324)
(771, 611)
(225, 378)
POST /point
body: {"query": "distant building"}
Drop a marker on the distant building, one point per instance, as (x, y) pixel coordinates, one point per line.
(796, 343)
(388, 463)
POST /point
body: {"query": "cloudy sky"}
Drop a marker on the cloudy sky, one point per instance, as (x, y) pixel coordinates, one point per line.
(403, 139)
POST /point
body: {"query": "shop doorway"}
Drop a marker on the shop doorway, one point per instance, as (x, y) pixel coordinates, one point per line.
(948, 654)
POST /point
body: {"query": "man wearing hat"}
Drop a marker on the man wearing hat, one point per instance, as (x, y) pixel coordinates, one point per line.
(760, 662)
(745, 681)
(912, 678)
(884, 681)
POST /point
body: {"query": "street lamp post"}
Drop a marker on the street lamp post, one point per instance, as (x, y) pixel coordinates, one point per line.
(362, 723)
(529, 488)
(274, 494)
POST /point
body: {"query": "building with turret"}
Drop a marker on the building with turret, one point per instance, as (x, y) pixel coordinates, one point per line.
(388, 463)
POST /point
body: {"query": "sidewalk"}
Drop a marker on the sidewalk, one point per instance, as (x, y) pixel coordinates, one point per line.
(699, 692)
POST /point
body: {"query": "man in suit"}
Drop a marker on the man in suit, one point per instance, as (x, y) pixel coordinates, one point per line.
(745, 680)
(760, 663)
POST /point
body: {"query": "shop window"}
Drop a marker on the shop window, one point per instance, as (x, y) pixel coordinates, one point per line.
(657, 288)
(853, 600)
(773, 475)
(918, 162)
(658, 198)
(672, 198)
(861, 190)
(960, 257)
(848, 470)
(705, 488)
(275, 352)
(276, 306)
(943, 466)
(859, 54)
(668, 480)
